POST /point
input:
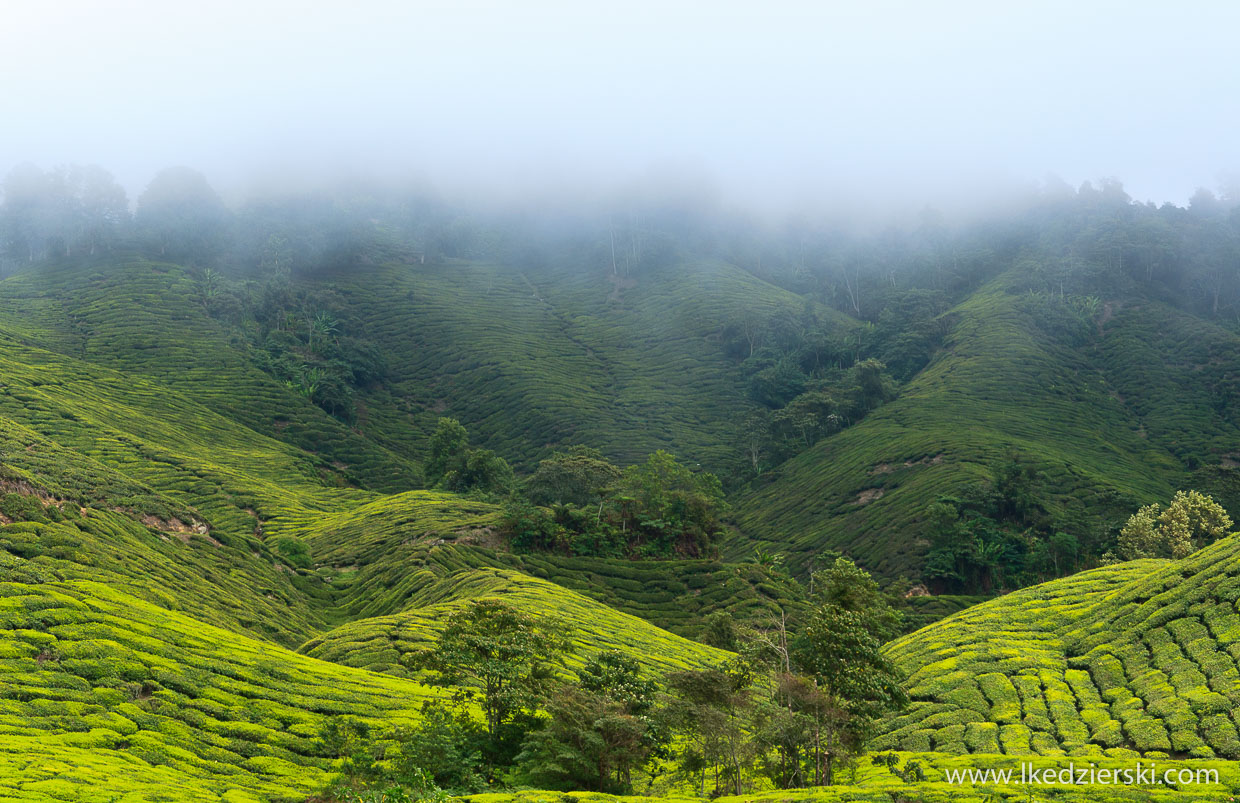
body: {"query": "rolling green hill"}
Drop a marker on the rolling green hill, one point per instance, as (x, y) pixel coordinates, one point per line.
(377, 643)
(144, 319)
(528, 360)
(1115, 421)
(106, 697)
(199, 566)
(1133, 659)
(150, 605)
(533, 358)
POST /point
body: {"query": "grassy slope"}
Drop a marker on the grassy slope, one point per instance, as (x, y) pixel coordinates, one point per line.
(162, 438)
(104, 695)
(108, 688)
(377, 643)
(997, 385)
(194, 459)
(379, 557)
(528, 361)
(142, 318)
(93, 412)
(1134, 658)
(169, 705)
(91, 521)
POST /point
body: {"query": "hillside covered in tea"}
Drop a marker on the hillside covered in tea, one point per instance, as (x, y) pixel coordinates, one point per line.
(259, 464)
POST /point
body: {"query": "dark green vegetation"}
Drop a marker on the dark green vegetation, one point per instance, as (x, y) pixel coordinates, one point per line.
(252, 461)
(1079, 375)
(799, 700)
(657, 509)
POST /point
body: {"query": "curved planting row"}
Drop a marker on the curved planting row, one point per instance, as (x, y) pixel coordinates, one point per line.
(1137, 658)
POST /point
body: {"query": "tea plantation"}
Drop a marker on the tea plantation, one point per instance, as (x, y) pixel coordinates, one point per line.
(997, 386)
(153, 501)
(1136, 659)
(378, 643)
(202, 566)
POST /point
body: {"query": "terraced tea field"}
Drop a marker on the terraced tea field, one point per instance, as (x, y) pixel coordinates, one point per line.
(199, 567)
(378, 643)
(1134, 659)
(994, 388)
(107, 697)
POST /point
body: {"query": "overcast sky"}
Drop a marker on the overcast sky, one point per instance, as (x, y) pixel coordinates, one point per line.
(777, 101)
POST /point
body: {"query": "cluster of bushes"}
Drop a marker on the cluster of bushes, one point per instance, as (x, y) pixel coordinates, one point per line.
(1191, 521)
(29, 507)
(453, 465)
(297, 335)
(1003, 535)
(1071, 319)
(798, 702)
(810, 378)
(659, 508)
(578, 503)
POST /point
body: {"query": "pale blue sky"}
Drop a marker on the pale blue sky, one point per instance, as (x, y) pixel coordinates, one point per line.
(778, 101)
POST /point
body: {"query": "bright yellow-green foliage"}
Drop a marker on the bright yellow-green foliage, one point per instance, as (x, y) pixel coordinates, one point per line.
(149, 605)
(592, 627)
(104, 696)
(1191, 521)
(178, 446)
(1135, 658)
(182, 571)
(89, 521)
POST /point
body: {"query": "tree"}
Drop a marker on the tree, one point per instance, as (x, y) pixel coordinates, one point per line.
(479, 470)
(808, 417)
(674, 500)
(578, 475)
(789, 725)
(323, 328)
(1017, 485)
(846, 586)
(661, 481)
(712, 709)
(599, 731)
(183, 216)
(719, 630)
(1191, 521)
(872, 387)
(275, 261)
(210, 284)
(447, 444)
(617, 676)
(448, 744)
(589, 742)
(505, 653)
(1064, 547)
(30, 215)
(777, 384)
(454, 466)
(838, 648)
(753, 437)
(100, 204)
(531, 528)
